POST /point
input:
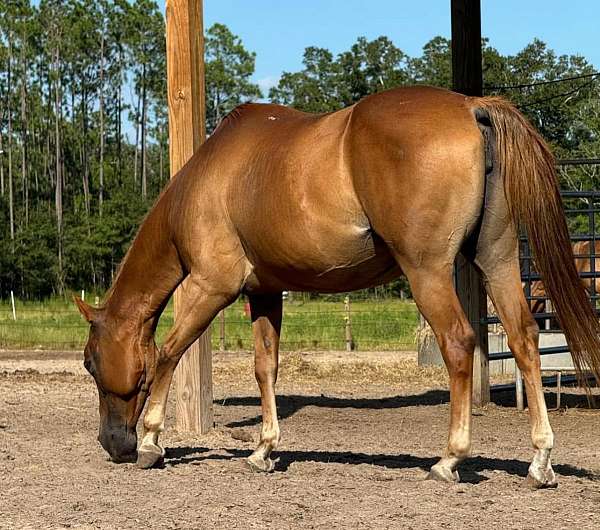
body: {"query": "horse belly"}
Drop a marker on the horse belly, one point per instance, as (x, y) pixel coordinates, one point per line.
(327, 265)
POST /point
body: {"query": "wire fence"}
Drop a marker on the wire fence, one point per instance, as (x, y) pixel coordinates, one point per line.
(363, 322)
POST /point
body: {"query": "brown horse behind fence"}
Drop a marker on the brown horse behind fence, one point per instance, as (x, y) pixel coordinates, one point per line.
(583, 252)
(277, 199)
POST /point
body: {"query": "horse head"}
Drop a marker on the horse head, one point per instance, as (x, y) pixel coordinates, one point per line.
(116, 358)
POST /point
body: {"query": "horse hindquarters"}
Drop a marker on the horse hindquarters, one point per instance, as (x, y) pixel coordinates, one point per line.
(422, 189)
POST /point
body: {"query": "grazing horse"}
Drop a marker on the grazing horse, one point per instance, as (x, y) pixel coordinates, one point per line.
(583, 252)
(277, 199)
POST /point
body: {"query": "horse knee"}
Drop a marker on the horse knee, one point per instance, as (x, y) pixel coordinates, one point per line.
(531, 330)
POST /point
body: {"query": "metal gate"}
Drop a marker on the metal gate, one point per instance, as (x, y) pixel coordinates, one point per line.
(582, 209)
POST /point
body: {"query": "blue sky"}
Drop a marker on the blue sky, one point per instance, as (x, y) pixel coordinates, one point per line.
(279, 30)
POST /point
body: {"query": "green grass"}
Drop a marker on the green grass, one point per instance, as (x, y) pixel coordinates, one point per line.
(386, 324)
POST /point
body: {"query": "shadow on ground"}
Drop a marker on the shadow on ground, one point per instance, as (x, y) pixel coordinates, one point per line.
(288, 405)
(470, 471)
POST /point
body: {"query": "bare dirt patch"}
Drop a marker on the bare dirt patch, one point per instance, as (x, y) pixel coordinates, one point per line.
(359, 433)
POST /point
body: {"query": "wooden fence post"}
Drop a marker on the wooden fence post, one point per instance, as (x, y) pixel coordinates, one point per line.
(185, 96)
(467, 78)
(348, 325)
(222, 326)
(12, 303)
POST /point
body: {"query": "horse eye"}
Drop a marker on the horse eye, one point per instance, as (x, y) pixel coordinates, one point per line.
(87, 364)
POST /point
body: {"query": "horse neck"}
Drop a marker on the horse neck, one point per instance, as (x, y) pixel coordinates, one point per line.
(148, 274)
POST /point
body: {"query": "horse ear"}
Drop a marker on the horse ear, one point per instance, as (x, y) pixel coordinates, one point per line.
(88, 312)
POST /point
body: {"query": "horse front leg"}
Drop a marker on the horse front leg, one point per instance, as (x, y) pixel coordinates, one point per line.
(201, 300)
(266, 326)
(150, 452)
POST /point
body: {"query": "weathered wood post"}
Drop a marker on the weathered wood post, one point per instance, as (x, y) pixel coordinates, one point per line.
(222, 330)
(185, 95)
(348, 324)
(467, 78)
(12, 303)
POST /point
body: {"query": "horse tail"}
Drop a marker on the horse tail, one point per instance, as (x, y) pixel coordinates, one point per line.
(527, 168)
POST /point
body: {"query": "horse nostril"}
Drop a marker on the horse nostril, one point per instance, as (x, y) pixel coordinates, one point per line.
(120, 444)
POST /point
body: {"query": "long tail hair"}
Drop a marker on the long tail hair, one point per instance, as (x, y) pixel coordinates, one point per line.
(527, 168)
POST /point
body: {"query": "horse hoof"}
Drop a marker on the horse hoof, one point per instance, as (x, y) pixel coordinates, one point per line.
(443, 474)
(150, 457)
(542, 480)
(260, 465)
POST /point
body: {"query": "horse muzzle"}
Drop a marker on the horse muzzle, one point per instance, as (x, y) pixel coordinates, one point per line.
(120, 443)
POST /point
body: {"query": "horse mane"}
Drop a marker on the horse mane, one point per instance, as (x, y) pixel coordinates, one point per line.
(120, 267)
(231, 117)
(134, 246)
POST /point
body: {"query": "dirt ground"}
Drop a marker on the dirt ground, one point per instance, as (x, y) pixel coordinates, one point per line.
(359, 432)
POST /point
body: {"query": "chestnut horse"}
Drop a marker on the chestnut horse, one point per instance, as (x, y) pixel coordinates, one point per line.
(583, 252)
(277, 199)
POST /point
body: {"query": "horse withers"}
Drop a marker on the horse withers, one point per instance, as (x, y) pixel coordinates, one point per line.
(277, 199)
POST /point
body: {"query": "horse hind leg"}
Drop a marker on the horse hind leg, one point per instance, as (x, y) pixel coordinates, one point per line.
(434, 294)
(500, 267)
(266, 313)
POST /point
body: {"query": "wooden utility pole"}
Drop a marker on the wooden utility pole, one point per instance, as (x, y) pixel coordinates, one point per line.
(187, 112)
(467, 78)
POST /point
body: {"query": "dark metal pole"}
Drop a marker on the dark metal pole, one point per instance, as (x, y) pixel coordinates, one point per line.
(467, 75)
(467, 78)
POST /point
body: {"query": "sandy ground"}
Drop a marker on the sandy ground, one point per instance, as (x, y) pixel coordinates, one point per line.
(359, 433)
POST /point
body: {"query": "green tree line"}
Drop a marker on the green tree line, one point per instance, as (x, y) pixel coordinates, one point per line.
(84, 131)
